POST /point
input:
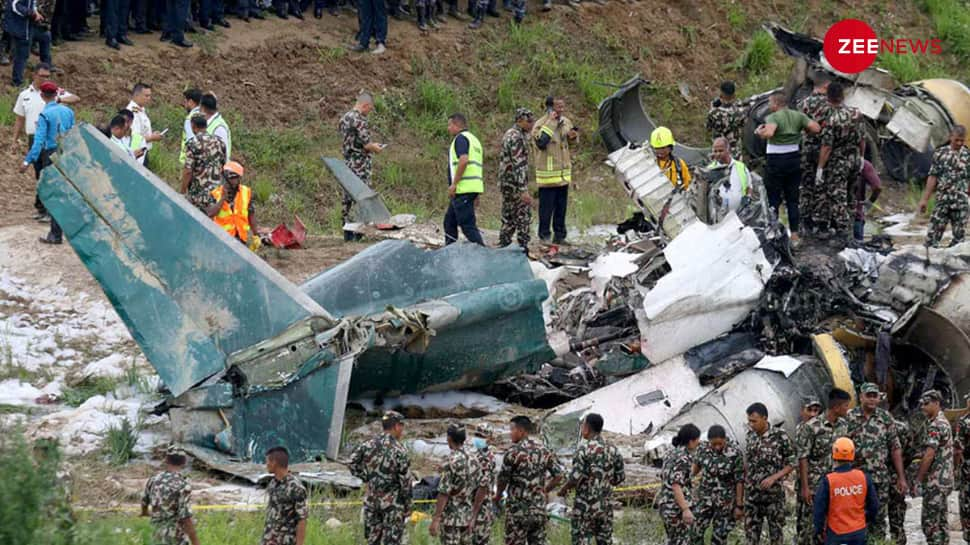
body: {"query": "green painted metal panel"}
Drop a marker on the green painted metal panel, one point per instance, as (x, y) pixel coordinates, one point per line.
(189, 294)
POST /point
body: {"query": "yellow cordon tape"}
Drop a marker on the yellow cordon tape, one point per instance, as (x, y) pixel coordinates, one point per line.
(332, 503)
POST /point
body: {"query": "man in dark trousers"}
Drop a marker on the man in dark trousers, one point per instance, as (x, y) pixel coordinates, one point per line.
(845, 500)
(465, 181)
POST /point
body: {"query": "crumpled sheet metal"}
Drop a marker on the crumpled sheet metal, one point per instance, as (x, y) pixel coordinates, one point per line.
(370, 206)
(314, 474)
(187, 292)
(681, 312)
(650, 189)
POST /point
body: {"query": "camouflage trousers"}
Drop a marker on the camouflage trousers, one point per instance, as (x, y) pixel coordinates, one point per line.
(808, 191)
(525, 529)
(831, 200)
(934, 521)
(951, 209)
(384, 526)
(482, 534)
(965, 507)
(897, 516)
(592, 529)
(721, 517)
(768, 512)
(348, 201)
(678, 533)
(168, 533)
(876, 531)
(455, 535)
(805, 522)
(516, 218)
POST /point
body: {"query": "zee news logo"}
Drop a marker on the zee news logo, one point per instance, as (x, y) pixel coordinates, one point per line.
(851, 46)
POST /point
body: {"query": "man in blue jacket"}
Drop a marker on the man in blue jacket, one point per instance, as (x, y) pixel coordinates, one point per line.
(845, 500)
(55, 120)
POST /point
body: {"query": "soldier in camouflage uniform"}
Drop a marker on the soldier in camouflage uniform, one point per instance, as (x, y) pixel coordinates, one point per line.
(838, 162)
(456, 490)
(383, 464)
(813, 448)
(877, 449)
(949, 176)
(597, 468)
(721, 467)
(529, 471)
(897, 501)
(357, 149)
(514, 181)
(815, 106)
(675, 480)
(769, 458)
(482, 513)
(935, 475)
(287, 510)
(961, 446)
(205, 155)
(167, 496)
(725, 118)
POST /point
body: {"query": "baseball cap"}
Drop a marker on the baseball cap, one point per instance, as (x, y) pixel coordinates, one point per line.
(931, 395)
(869, 388)
(48, 87)
(523, 113)
(393, 416)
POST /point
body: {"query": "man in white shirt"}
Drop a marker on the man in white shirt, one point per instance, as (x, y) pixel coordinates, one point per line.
(190, 101)
(118, 128)
(141, 97)
(738, 184)
(215, 123)
(27, 109)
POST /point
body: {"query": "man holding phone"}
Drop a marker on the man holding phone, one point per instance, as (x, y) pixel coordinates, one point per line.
(141, 97)
(357, 149)
(551, 136)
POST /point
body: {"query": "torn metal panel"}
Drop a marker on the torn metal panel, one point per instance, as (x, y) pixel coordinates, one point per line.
(831, 355)
(642, 403)
(680, 312)
(312, 474)
(942, 340)
(919, 124)
(954, 302)
(953, 95)
(370, 206)
(651, 190)
(178, 290)
(869, 101)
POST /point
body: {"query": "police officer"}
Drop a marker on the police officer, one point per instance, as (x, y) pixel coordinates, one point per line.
(720, 491)
(726, 118)
(597, 468)
(480, 527)
(514, 181)
(675, 501)
(529, 471)
(166, 500)
(935, 476)
(383, 464)
(287, 509)
(949, 177)
(844, 500)
(456, 490)
(838, 162)
(770, 457)
(813, 443)
(465, 159)
(873, 431)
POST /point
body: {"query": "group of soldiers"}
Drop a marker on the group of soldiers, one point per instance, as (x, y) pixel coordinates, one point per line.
(746, 484)
(832, 160)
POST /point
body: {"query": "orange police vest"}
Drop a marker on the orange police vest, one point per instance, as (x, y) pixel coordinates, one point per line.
(847, 501)
(235, 219)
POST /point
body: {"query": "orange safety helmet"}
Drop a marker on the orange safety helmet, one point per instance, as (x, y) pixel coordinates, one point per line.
(234, 167)
(843, 449)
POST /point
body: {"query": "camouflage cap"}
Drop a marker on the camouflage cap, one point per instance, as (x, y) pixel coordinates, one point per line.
(174, 450)
(482, 430)
(869, 388)
(523, 113)
(931, 395)
(393, 416)
(811, 402)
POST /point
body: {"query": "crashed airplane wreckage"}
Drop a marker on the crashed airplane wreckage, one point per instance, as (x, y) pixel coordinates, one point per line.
(251, 360)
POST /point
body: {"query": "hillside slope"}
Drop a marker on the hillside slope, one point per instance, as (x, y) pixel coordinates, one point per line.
(284, 84)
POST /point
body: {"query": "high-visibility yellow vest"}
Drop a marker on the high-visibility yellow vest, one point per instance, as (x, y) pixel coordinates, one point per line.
(553, 164)
(185, 137)
(137, 142)
(676, 171)
(471, 180)
(742, 174)
(216, 122)
(234, 219)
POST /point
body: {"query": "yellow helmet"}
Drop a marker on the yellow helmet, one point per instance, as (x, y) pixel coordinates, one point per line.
(843, 449)
(661, 137)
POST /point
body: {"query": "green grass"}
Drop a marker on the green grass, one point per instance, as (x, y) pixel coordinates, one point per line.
(909, 68)
(119, 442)
(7, 100)
(952, 21)
(89, 387)
(758, 54)
(736, 17)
